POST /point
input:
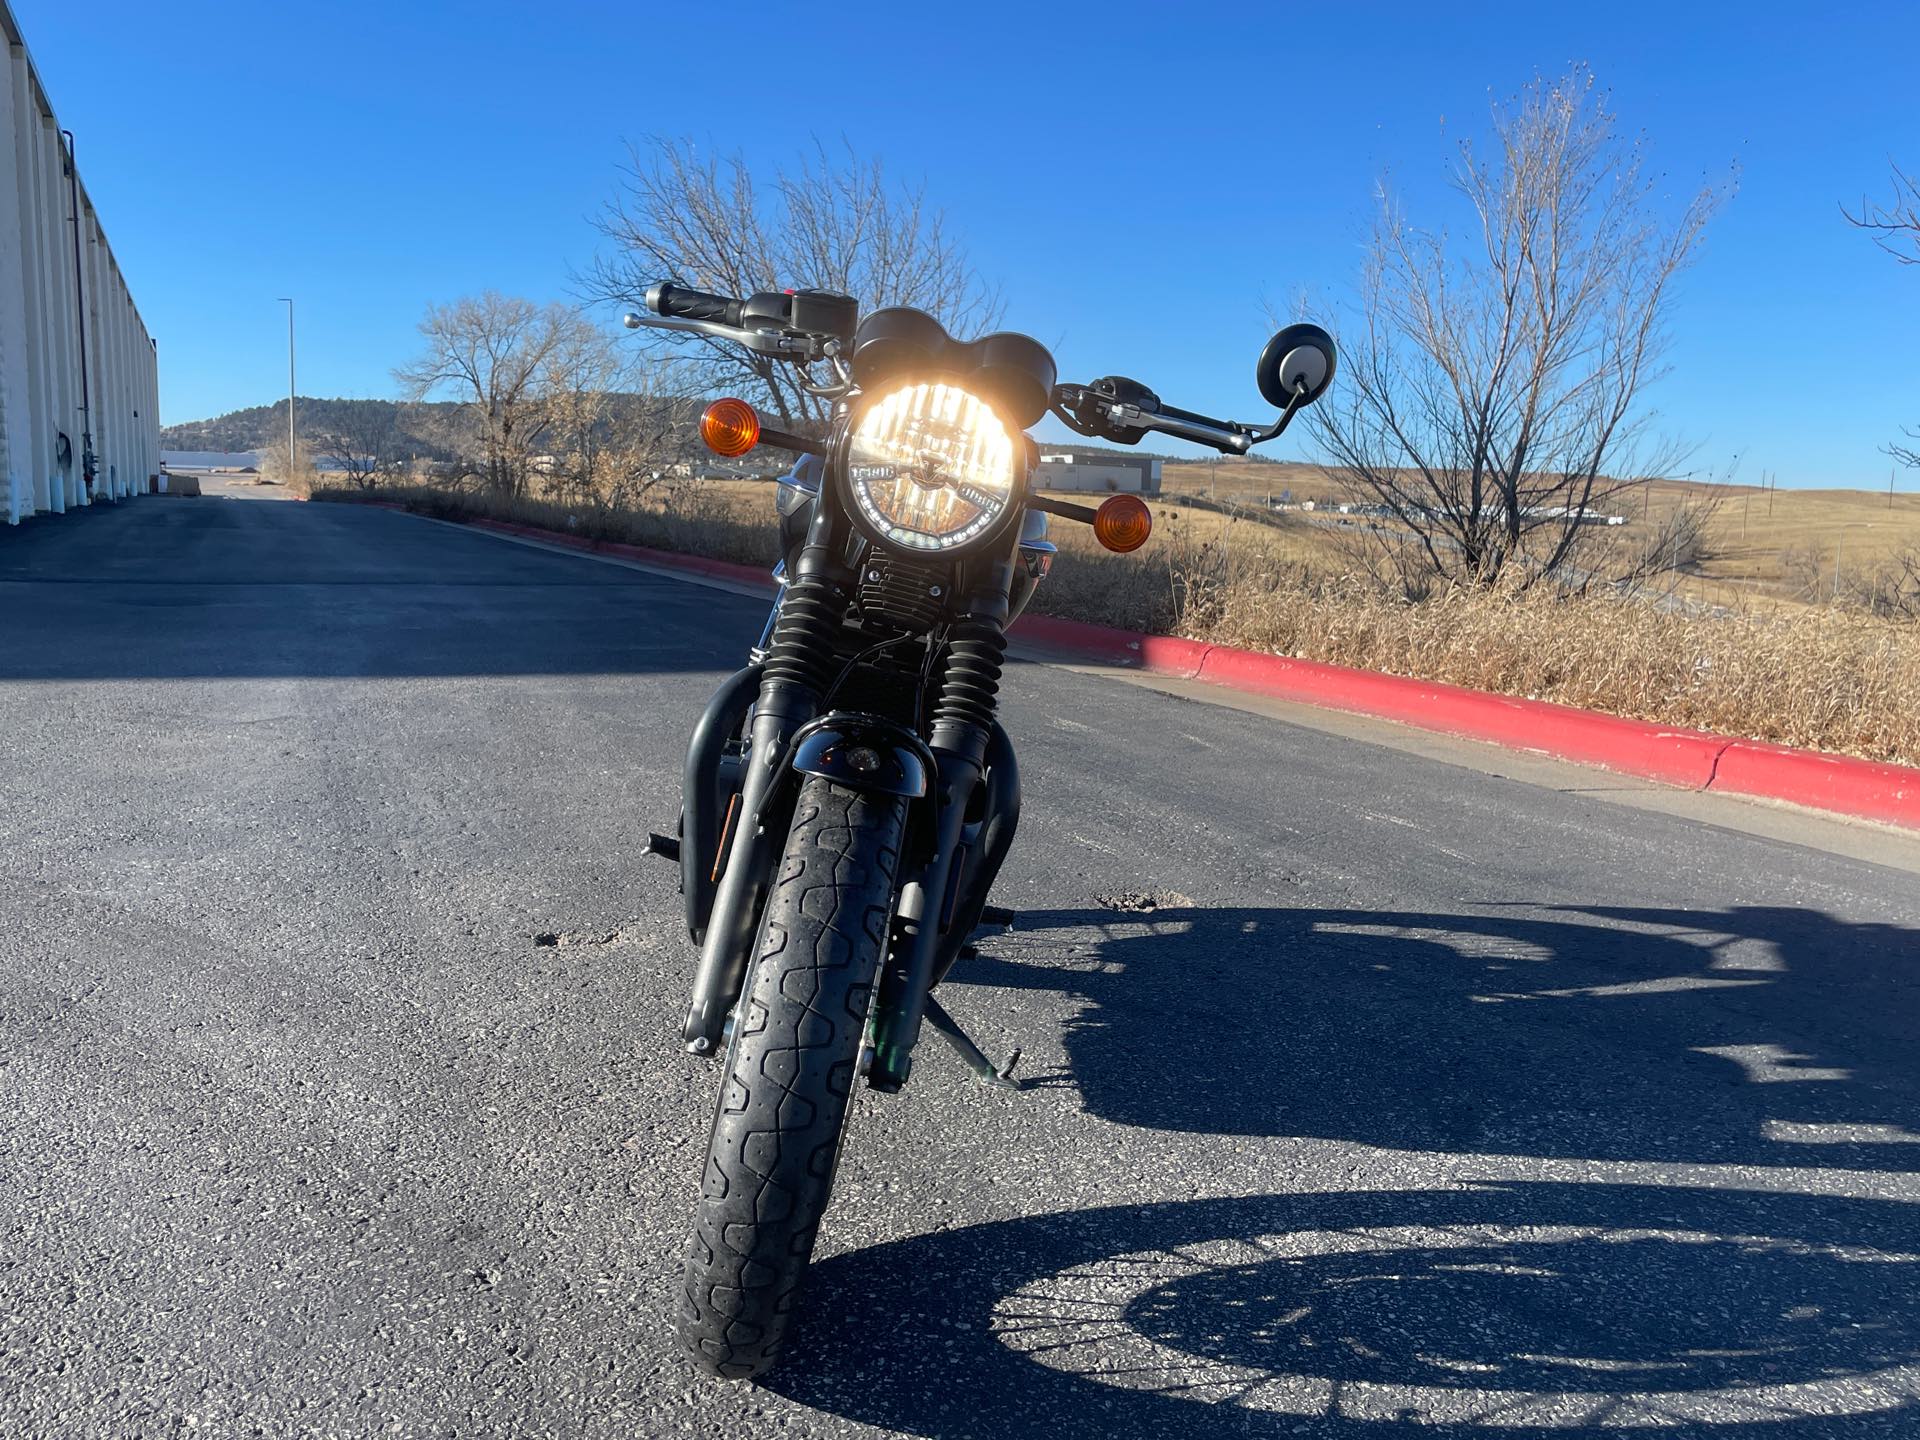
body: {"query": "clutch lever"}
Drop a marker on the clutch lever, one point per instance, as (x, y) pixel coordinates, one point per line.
(778, 344)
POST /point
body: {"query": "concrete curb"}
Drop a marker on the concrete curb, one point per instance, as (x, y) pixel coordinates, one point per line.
(1691, 759)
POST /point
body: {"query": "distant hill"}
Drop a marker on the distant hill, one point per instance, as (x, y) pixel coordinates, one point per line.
(258, 426)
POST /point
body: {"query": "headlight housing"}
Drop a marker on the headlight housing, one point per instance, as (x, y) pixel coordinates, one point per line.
(931, 467)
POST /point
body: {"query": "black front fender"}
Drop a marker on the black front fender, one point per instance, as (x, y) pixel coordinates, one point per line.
(865, 752)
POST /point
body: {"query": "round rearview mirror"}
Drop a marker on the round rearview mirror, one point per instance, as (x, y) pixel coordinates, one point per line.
(1299, 359)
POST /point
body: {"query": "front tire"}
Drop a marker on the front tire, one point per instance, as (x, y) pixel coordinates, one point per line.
(789, 1075)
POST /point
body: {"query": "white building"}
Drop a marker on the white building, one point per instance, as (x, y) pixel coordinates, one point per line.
(1115, 473)
(63, 398)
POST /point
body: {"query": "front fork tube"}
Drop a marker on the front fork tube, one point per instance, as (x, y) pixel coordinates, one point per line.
(787, 701)
(917, 934)
(724, 953)
(962, 733)
(985, 851)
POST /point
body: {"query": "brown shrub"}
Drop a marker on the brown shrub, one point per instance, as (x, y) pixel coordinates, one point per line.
(695, 523)
(1828, 677)
(1890, 588)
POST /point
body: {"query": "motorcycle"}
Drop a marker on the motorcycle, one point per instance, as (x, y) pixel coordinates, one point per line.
(850, 795)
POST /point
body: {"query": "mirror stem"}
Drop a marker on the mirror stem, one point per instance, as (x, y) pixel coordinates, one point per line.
(1294, 407)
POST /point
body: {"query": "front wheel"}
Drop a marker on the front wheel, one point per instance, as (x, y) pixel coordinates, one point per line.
(789, 1074)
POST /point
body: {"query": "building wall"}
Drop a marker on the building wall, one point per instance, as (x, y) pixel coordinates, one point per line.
(1077, 472)
(41, 301)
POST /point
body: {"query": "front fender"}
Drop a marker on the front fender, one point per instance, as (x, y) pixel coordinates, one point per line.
(865, 752)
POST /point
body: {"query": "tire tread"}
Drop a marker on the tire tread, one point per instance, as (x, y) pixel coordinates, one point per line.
(789, 1074)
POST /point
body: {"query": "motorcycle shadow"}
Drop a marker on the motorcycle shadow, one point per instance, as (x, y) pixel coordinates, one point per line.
(1752, 1035)
(1535, 1309)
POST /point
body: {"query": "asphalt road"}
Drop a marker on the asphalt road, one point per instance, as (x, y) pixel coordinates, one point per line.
(1375, 1085)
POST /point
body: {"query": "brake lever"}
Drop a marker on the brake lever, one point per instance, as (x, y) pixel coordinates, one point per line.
(1228, 437)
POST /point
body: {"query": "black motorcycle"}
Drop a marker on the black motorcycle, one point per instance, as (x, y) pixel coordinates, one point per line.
(850, 795)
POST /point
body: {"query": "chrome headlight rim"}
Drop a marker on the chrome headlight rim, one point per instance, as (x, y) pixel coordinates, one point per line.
(877, 529)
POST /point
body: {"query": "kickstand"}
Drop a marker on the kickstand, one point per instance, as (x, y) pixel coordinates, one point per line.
(975, 1058)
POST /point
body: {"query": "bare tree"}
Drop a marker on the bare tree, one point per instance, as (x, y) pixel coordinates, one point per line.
(362, 442)
(1896, 224)
(1807, 569)
(1492, 393)
(492, 354)
(1895, 227)
(614, 426)
(1890, 589)
(834, 222)
(1650, 559)
(1906, 451)
(296, 473)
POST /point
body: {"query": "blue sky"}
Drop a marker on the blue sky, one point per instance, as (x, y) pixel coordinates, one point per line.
(1141, 179)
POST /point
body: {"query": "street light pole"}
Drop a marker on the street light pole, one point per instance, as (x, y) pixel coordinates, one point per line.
(293, 454)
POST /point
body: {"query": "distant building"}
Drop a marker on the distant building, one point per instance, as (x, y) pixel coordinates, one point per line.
(210, 459)
(1114, 474)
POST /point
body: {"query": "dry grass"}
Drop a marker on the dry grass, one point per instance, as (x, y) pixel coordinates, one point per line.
(1818, 676)
(1824, 678)
(1789, 545)
(705, 520)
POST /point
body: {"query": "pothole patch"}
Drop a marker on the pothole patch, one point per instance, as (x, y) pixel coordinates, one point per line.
(1144, 902)
(553, 939)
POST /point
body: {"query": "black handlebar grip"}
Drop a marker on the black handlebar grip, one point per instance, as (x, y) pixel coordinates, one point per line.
(680, 302)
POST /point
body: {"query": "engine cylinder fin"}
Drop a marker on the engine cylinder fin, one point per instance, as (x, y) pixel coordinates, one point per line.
(900, 592)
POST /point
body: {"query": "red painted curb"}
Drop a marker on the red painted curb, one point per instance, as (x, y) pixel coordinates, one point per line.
(1873, 791)
(1693, 759)
(1159, 654)
(1674, 757)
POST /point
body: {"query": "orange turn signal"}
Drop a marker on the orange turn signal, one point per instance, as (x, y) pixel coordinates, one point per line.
(1122, 523)
(730, 428)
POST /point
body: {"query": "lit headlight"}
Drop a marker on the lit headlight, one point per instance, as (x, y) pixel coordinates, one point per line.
(931, 467)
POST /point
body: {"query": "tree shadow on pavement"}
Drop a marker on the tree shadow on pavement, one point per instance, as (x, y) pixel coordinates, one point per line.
(1752, 1035)
(1528, 1309)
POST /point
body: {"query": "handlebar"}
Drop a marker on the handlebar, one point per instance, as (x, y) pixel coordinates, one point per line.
(1122, 410)
(810, 325)
(1204, 429)
(682, 302)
